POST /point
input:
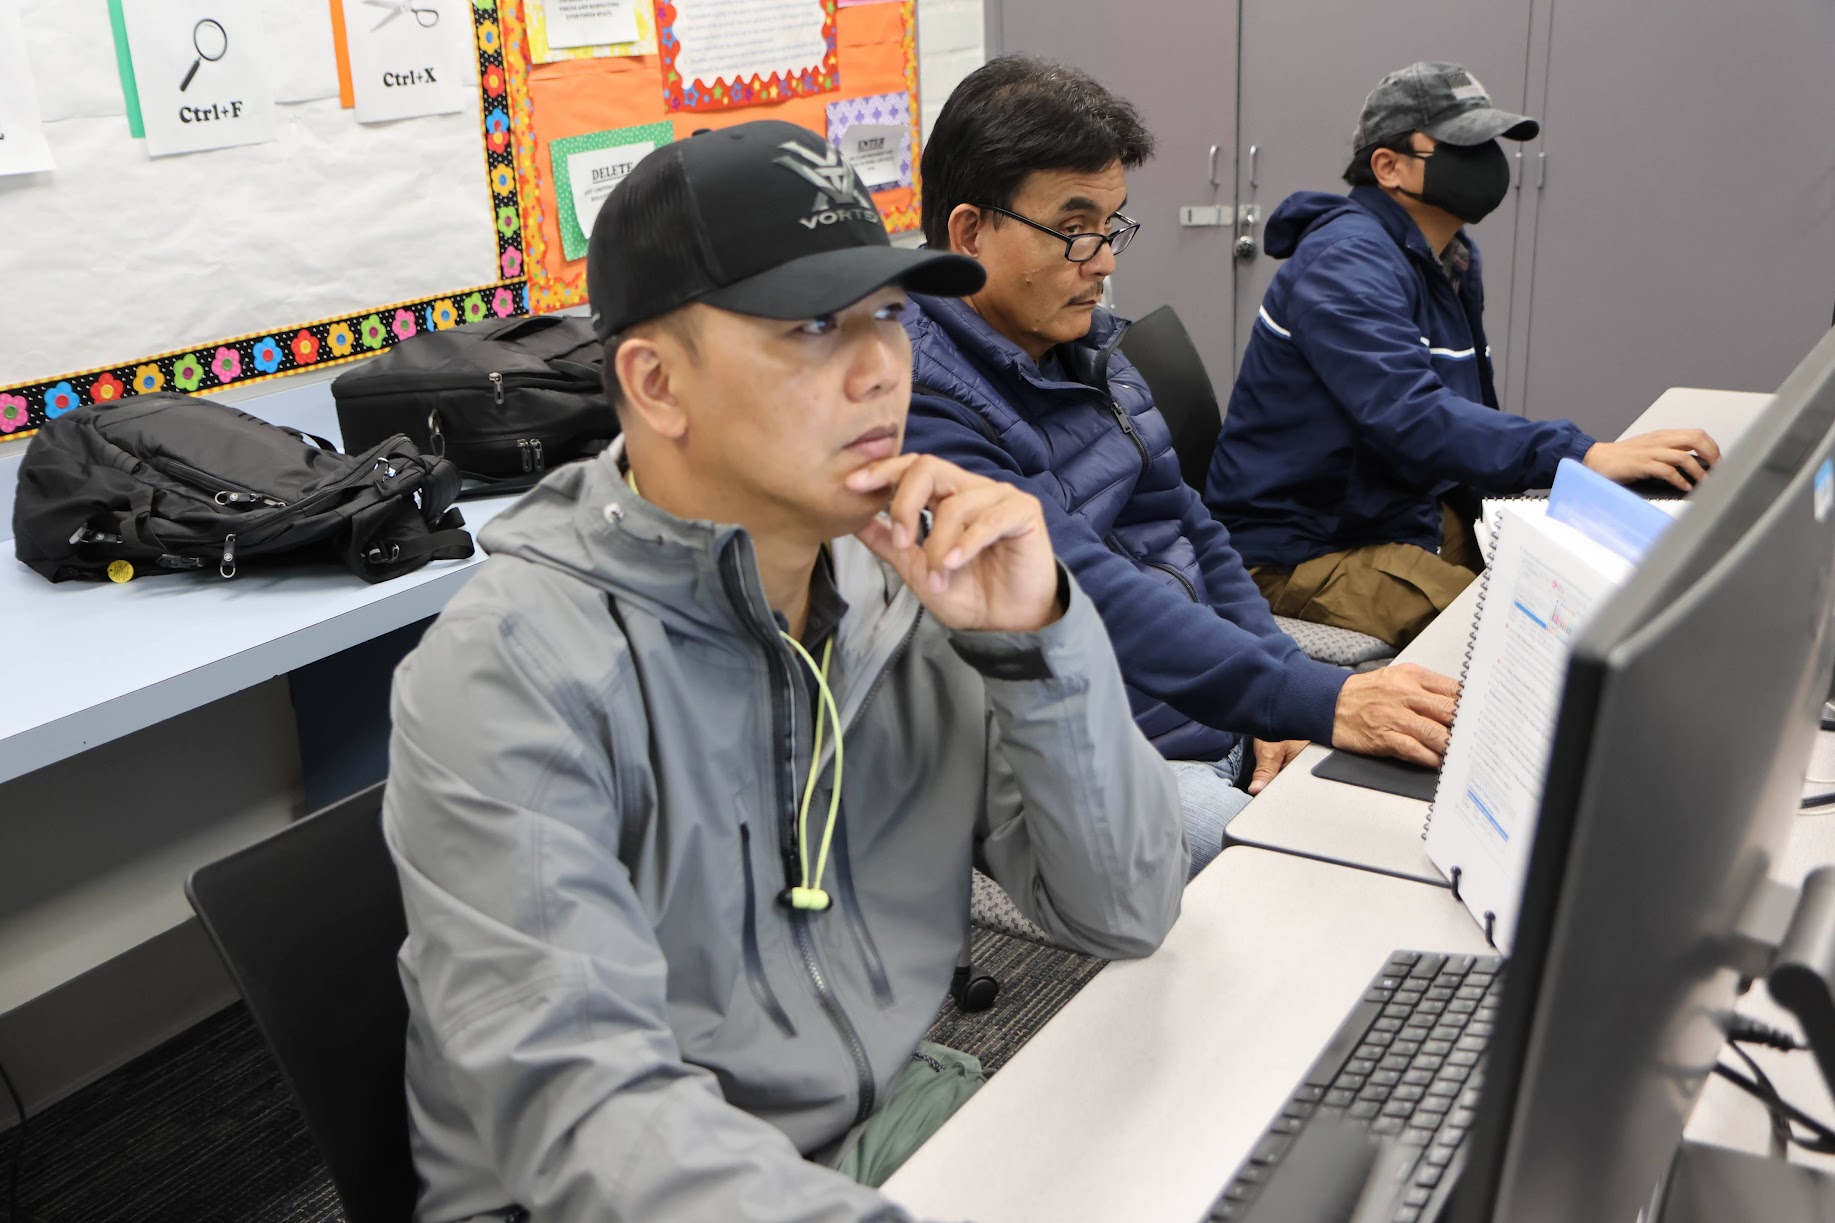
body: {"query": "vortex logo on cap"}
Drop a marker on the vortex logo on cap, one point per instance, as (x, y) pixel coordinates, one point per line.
(827, 170)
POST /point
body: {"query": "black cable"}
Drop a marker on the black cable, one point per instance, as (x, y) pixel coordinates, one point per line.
(1817, 800)
(1744, 1030)
(1824, 1143)
(1774, 1104)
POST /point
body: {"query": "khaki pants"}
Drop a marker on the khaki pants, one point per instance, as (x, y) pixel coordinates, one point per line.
(1390, 591)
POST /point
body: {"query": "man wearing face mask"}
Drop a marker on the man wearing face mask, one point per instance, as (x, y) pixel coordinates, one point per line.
(1364, 419)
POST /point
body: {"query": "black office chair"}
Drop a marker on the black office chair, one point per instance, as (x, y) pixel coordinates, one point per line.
(308, 923)
(1162, 351)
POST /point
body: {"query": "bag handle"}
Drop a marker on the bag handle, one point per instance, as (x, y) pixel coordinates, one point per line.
(314, 438)
(546, 336)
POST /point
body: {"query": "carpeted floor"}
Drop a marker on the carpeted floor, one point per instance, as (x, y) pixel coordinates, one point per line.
(202, 1129)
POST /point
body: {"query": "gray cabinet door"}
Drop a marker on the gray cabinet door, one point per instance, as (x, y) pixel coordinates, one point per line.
(1686, 234)
(1306, 69)
(1176, 61)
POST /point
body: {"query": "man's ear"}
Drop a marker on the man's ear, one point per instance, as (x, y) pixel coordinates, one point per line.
(1386, 165)
(966, 226)
(646, 368)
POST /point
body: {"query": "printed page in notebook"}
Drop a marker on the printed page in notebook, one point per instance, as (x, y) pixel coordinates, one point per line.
(1544, 581)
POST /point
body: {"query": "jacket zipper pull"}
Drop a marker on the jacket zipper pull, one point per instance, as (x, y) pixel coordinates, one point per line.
(497, 387)
(227, 565)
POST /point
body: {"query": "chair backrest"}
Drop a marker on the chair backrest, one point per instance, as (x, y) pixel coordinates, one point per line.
(308, 923)
(1163, 352)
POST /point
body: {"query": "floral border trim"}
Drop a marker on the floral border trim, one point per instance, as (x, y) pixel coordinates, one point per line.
(25, 407)
(722, 94)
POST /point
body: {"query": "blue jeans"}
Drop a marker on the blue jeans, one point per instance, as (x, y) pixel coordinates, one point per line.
(1210, 799)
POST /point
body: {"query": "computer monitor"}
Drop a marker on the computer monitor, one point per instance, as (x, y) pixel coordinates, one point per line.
(1685, 726)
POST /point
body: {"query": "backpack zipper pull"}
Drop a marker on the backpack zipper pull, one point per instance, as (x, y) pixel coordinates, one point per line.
(522, 448)
(227, 566)
(228, 497)
(497, 386)
(535, 447)
(436, 438)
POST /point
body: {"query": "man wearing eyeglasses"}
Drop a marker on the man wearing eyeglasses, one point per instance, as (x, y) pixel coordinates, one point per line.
(1365, 417)
(1026, 172)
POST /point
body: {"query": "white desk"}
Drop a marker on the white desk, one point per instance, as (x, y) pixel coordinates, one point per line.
(204, 755)
(1138, 1100)
(1336, 822)
(104, 660)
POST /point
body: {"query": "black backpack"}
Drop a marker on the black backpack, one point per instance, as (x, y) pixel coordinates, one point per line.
(505, 400)
(166, 482)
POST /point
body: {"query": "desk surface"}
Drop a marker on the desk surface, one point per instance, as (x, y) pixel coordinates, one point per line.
(104, 660)
(1330, 820)
(1139, 1099)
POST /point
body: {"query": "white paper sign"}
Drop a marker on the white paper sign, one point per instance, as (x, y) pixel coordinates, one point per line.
(874, 150)
(735, 40)
(202, 71)
(593, 174)
(22, 130)
(404, 59)
(590, 23)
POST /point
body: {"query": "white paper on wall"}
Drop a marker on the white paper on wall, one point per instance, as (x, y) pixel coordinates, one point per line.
(590, 23)
(407, 57)
(202, 69)
(23, 149)
(134, 255)
(739, 39)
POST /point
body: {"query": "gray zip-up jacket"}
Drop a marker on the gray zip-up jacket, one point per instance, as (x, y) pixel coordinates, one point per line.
(597, 758)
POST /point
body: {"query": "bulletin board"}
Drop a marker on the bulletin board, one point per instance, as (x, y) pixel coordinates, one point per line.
(874, 56)
(473, 197)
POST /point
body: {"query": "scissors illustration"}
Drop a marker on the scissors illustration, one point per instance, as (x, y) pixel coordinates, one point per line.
(426, 15)
(211, 41)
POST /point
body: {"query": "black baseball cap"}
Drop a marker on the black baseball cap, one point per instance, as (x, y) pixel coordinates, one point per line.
(1441, 99)
(764, 218)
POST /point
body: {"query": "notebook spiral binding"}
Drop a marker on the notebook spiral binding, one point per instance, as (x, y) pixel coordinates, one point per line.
(1465, 668)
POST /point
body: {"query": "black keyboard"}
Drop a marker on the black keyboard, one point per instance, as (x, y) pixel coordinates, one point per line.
(1407, 1063)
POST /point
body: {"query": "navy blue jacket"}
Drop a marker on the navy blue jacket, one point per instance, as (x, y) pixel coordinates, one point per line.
(1365, 394)
(1198, 648)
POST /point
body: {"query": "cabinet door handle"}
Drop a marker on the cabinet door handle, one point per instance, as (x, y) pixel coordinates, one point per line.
(1254, 151)
(1213, 167)
(1541, 170)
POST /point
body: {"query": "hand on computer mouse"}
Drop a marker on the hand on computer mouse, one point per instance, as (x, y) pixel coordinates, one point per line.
(1678, 457)
(1401, 710)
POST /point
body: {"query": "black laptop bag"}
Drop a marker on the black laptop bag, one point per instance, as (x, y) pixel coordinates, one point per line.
(166, 482)
(505, 399)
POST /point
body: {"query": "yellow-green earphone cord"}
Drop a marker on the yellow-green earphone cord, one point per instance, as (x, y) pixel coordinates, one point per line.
(810, 895)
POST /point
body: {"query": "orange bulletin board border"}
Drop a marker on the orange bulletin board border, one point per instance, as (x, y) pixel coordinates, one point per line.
(877, 54)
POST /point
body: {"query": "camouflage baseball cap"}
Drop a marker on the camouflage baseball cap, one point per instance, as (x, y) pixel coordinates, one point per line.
(1443, 100)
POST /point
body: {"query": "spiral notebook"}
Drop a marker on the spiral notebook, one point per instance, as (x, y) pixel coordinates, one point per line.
(1551, 567)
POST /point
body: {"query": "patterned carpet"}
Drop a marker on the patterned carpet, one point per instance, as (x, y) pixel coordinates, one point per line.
(202, 1129)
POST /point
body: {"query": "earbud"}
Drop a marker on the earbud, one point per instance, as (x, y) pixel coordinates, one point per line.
(811, 899)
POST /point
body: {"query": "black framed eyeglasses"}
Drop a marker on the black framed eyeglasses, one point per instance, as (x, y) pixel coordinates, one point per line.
(1081, 248)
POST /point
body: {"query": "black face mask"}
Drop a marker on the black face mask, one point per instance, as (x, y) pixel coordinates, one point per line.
(1468, 182)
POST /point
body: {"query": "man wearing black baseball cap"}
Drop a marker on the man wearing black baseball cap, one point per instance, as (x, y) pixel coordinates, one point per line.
(687, 783)
(1364, 419)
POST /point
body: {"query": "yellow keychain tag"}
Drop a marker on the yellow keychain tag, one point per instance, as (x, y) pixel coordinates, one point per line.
(120, 571)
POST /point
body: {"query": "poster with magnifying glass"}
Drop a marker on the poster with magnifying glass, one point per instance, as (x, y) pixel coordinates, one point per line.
(200, 66)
